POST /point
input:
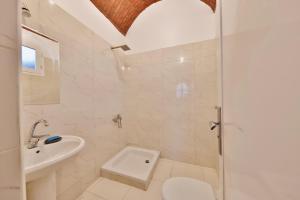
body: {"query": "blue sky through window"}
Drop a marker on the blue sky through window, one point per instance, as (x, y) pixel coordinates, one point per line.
(28, 58)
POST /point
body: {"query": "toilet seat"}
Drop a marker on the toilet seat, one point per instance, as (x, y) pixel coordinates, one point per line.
(182, 188)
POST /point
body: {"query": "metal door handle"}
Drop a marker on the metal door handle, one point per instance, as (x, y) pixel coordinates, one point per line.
(213, 125)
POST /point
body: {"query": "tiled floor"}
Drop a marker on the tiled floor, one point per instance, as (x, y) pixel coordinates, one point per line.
(105, 189)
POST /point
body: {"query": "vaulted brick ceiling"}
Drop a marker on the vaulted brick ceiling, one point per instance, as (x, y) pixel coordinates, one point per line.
(211, 3)
(122, 13)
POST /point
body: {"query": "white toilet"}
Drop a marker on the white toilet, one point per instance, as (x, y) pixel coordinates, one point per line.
(182, 188)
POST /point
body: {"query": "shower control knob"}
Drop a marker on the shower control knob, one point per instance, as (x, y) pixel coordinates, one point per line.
(213, 125)
(118, 120)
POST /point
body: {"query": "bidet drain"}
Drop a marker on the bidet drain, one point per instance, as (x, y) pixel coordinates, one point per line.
(147, 161)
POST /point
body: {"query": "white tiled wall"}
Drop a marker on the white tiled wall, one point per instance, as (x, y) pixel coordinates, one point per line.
(90, 96)
(169, 99)
(10, 167)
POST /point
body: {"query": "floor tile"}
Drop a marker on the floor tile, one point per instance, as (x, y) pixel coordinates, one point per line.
(136, 194)
(153, 192)
(89, 196)
(71, 193)
(211, 177)
(109, 190)
(163, 170)
(105, 189)
(187, 170)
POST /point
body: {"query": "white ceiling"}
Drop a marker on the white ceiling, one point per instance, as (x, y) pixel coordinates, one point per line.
(164, 24)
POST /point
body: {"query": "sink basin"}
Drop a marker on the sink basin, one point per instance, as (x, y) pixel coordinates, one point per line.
(47, 156)
(40, 164)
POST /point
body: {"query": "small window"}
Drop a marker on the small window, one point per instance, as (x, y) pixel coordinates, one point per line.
(182, 90)
(29, 57)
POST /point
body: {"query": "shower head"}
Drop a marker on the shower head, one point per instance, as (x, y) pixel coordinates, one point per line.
(25, 10)
(123, 47)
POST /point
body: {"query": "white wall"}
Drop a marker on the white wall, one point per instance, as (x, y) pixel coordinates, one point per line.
(261, 99)
(164, 24)
(10, 167)
(171, 23)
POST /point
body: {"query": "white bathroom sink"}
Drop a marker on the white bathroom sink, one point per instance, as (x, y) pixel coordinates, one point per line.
(47, 156)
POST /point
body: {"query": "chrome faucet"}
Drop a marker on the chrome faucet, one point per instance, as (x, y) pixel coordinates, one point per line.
(118, 120)
(34, 139)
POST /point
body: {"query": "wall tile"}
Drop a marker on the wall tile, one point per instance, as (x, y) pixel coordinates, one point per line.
(8, 85)
(169, 99)
(10, 165)
(8, 22)
(10, 173)
(90, 97)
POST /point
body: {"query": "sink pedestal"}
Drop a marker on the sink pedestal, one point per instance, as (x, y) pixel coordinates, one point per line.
(43, 188)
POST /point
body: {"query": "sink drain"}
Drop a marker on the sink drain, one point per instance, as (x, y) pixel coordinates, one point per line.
(147, 161)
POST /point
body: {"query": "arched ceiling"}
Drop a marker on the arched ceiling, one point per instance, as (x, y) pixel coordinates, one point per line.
(165, 23)
(211, 3)
(122, 13)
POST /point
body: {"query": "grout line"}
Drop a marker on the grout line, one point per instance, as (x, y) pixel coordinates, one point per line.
(7, 47)
(100, 180)
(125, 195)
(8, 150)
(97, 195)
(91, 193)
